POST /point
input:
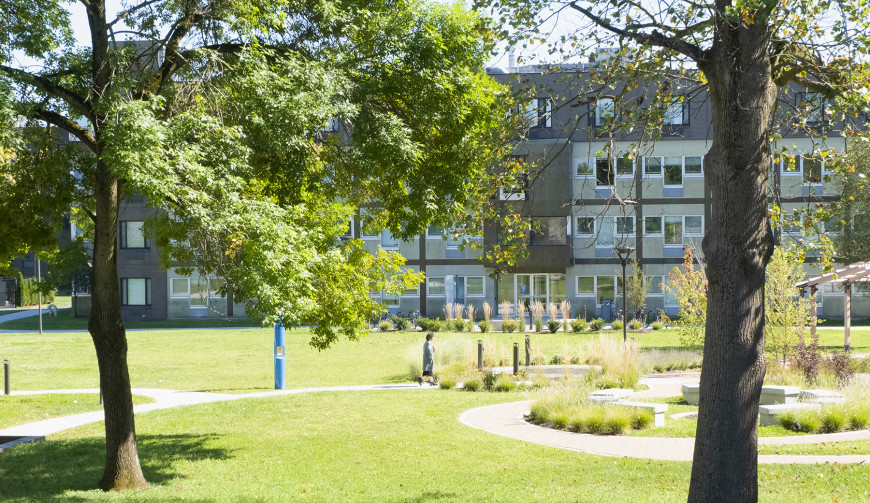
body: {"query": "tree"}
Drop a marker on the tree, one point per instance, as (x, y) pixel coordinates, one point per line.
(786, 314)
(852, 212)
(637, 287)
(220, 114)
(689, 288)
(741, 55)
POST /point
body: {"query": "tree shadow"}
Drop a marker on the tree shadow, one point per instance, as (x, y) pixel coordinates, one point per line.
(45, 471)
(430, 496)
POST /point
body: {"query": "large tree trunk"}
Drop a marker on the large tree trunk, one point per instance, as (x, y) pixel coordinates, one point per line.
(122, 470)
(737, 248)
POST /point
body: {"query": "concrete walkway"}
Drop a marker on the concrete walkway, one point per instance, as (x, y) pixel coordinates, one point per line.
(11, 314)
(508, 420)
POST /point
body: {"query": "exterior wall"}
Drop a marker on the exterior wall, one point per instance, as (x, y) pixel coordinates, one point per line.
(141, 262)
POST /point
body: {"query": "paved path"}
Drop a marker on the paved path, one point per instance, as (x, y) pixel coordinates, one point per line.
(9, 315)
(507, 420)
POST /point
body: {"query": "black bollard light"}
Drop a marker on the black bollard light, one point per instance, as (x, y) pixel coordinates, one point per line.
(6, 388)
(516, 358)
(528, 350)
(479, 355)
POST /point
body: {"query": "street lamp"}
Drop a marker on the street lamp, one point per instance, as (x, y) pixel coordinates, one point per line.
(623, 252)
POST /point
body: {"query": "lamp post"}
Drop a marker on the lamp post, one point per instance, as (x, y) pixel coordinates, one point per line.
(623, 252)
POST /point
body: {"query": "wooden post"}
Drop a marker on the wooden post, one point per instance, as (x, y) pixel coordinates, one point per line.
(847, 315)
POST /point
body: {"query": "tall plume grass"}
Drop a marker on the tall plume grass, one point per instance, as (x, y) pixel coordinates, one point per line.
(469, 313)
(538, 311)
(505, 309)
(521, 313)
(553, 310)
(448, 311)
(457, 310)
(487, 311)
(565, 307)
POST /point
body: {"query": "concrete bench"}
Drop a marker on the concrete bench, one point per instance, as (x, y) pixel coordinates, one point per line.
(691, 392)
(773, 395)
(767, 414)
(609, 395)
(821, 396)
(658, 409)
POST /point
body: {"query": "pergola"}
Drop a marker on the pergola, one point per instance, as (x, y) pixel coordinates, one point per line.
(843, 277)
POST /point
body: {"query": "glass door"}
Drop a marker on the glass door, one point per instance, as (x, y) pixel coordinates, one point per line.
(541, 291)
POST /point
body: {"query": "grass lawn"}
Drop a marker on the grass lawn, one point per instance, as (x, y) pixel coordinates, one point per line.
(66, 321)
(20, 409)
(824, 448)
(340, 447)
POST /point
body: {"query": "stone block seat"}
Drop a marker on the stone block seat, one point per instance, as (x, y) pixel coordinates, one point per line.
(821, 396)
(691, 392)
(610, 395)
(773, 395)
(658, 409)
(767, 414)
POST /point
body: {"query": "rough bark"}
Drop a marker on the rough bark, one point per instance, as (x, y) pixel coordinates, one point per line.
(122, 470)
(737, 248)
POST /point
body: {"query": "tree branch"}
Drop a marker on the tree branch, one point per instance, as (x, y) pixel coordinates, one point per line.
(69, 126)
(655, 38)
(45, 85)
(123, 14)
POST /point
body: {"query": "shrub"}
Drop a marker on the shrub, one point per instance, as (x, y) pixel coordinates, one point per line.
(539, 325)
(402, 323)
(473, 384)
(841, 364)
(430, 324)
(539, 412)
(554, 325)
(447, 384)
(488, 380)
(385, 325)
(556, 360)
(635, 325)
(508, 326)
(456, 325)
(657, 325)
(834, 419)
(616, 325)
(484, 326)
(596, 325)
(579, 325)
(504, 383)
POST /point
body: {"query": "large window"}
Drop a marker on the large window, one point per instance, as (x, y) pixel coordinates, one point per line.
(604, 112)
(674, 168)
(586, 286)
(539, 113)
(653, 166)
(549, 231)
(625, 226)
(677, 113)
(435, 286)
(606, 289)
(474, 286)
(520, 185)
(652, 226)
(603, 172)
(585, 226)
(131, 235)
(679, 227)
(179, 287)
(135, 291)
(811, 106)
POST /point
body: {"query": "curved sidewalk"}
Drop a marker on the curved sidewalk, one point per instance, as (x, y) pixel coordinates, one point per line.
(508, 420)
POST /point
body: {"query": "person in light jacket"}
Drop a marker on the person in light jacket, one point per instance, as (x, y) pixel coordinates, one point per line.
(428, 360)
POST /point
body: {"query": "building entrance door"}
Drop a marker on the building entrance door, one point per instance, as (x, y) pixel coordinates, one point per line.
(531, 288)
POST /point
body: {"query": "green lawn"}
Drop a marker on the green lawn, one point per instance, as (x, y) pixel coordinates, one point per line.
(20, 409)
(380, 446)
(66, 321)
(824, 448)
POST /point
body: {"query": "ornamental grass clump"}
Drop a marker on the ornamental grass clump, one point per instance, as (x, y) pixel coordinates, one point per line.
(504, 383)
(565, 308)
(472, 384)
(663, 360)
(579, 325)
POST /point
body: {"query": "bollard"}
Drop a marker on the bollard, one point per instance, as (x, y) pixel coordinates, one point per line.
(516, 358)
(528, 350)
(280, 366)
(479, 355)
(6, 390)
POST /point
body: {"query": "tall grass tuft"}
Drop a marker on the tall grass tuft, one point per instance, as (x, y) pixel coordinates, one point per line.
(457, 311)
(469, 313)
(487, 312)
(521, 314)
(538, 312)
(663, 360)
(553, 310)
(505, 310)
(448, 311)
(565, 307)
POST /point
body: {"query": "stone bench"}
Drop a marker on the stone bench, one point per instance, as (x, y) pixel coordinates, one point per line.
(767, 414)
(773, 395)
(821, 396)
(691, 392)
(658, 409)
(609, 395)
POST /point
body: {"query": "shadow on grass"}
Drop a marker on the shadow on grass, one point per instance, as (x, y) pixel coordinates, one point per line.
(48, 471)
(431, 496)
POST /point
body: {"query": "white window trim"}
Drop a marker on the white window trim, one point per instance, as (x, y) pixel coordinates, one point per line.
(660, 279)
(682, 103)
(475, 295)
(682, 172)
(693, 234)
(577, 287)
(589, 161)
(429, 290)
(693, 175)
(511, 196)
(601, 118)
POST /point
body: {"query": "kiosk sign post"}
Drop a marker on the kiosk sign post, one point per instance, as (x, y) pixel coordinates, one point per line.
(280, 367)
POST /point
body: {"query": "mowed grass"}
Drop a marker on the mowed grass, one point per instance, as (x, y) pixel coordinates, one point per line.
(336, 446)
(20, 409)
(820, 449)
(66, 321)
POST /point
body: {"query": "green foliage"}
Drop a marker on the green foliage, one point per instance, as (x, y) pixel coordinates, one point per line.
(488, 380)
(554, 325)
(689, 288)
(504, 383)
(484, 326)
(27, 292)
(616, 325)
(657, 325)
(637, 287)
(851, 214)
(579, 325)
(472, 384)
(539, 325)
(402, 323)
(456, 325)
(635, 325)
(596, 325)
(446, 383)
(785, 313)
(430, 324)
(385, 325)
(508, 326)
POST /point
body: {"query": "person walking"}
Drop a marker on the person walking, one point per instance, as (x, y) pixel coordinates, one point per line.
(428, 360)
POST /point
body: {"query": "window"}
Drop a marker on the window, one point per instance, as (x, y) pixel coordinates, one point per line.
(517, 191)
(135, 291)
(606, 288)
(694, 225)
(474, 286)
(198, 292)
(433, 231)
(584, 166)
(812, 169)
(388, 240)
(586, 285)
(131, 235)
(653, 166)
(674, 231)
(349, 233)
(539, 112)
(811, 105)
(652, 226)
(585, 226)
(673, 167)
(179, 287)
(603, 172)
(549, 231)
(693, 165)
(625, 225)
(435, 286)
(366, 227)
(624, 165)
(604, 111)
(677, 113)
(27, 268)
(655, 285)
